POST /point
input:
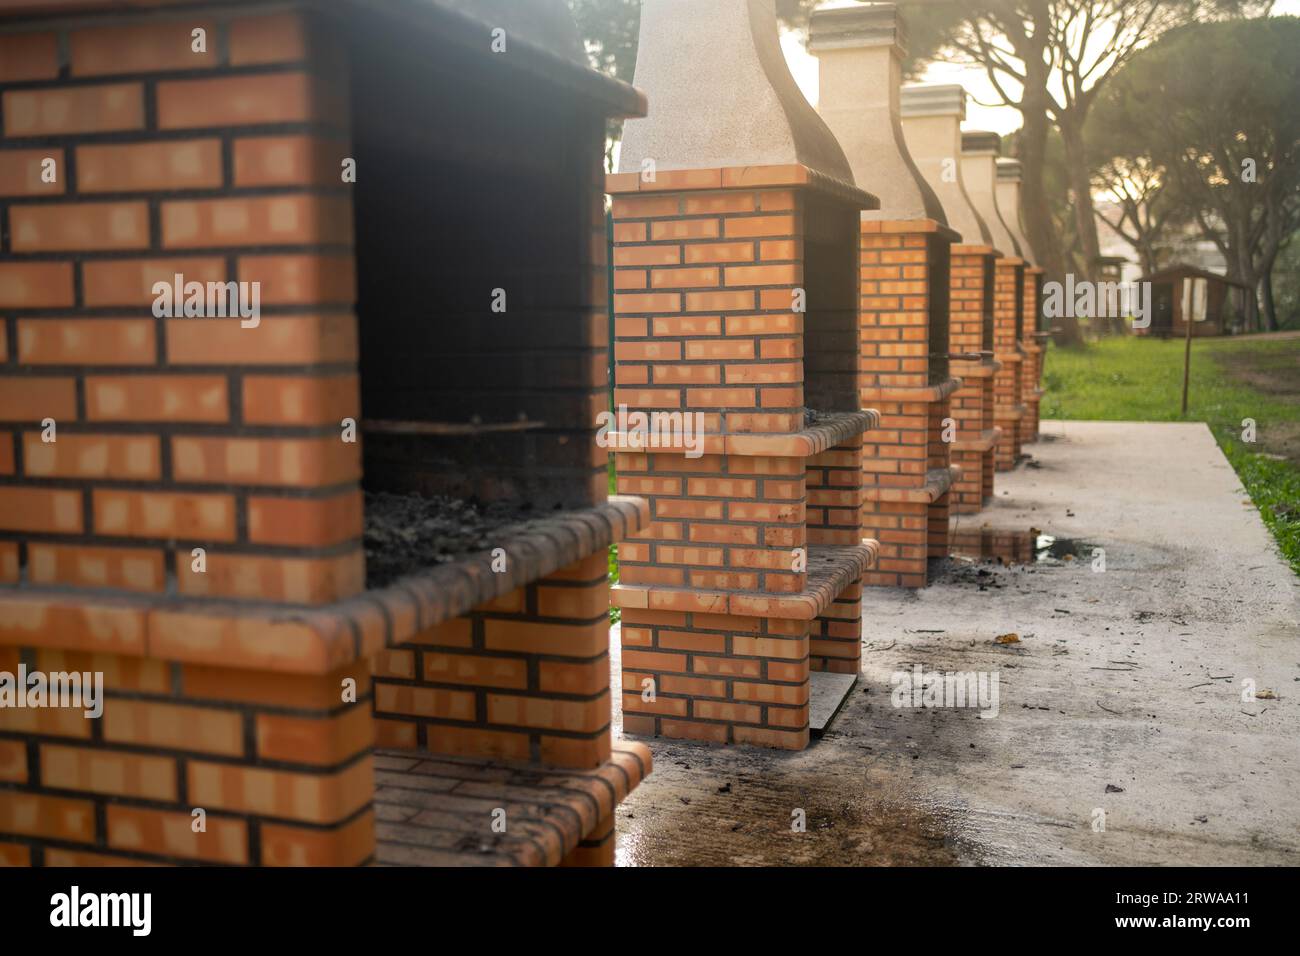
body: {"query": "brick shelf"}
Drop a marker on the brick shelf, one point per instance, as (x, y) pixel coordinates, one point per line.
(830, 430)
(831, 571)
(533, 550)
(316, 639)
(928, 393)
(986, 368)
(987, 441)
(936, 485)
(439, 812)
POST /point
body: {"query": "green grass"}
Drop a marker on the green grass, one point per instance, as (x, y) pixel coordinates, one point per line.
(1135, 379)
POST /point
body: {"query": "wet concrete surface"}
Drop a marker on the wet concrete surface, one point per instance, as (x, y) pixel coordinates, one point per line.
(1121, 734)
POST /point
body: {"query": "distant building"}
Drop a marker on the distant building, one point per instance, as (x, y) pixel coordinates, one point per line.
(1214, 303)
(1187, 247)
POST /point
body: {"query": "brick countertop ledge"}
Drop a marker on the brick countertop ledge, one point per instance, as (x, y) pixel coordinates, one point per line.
(937, 483)
(830, 429)
(438, 812)
(830, 571)
(308, 640)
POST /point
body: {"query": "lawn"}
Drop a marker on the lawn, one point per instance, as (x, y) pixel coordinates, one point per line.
(1233, 379)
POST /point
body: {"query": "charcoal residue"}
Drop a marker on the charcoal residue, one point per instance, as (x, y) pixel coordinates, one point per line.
(405, 533)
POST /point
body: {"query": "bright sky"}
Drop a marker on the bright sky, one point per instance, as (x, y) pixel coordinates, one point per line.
(1000, 119)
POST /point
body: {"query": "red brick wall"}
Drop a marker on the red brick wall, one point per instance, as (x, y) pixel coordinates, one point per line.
(894, 463)
(905, 295)
(1034, 353)
(180, 433)
(704, 288)
(834, 517)
(708, 264)
(279, 762)
(905, 286)
(525, 677)
(972, 405)
(1008, 318)
(717, 678)
(705, 285)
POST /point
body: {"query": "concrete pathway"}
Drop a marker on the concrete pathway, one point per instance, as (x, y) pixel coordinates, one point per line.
(1120, 707)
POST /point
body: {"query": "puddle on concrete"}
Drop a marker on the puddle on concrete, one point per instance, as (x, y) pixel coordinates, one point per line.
(1068, 549)
(1000, 546)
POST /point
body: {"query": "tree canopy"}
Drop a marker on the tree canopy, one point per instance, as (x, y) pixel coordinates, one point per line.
(1209, 114)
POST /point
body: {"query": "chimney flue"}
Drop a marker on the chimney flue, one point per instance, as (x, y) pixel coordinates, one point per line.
(979, 154)
(931, 121)
(861, 52)
(1010, 176)
(722, 94)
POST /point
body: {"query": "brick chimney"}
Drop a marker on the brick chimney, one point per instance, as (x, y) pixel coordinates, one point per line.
(931, 119)
(980, 150)
(736, 235)
(904, 289)
(1033, 339)
(224, 515)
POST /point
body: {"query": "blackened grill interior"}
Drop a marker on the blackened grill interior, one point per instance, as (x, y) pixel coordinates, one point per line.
(831, 322)
(479, 195)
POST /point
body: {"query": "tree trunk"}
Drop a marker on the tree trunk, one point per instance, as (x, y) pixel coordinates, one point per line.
(1245, 274)
(1079, 179)
(1270, 304)
(1037, 212)
(1150, 259)
(1043, 240)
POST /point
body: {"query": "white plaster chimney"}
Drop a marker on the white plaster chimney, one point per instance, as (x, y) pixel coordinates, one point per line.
(721, 94)
(931, 120)
(860, 52)
(979, 168)
(1010, 175)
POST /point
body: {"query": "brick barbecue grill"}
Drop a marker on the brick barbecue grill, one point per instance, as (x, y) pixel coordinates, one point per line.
(904, 286)
(374, 517)
(747, 580)
(1033, 339)
(980, 150)
(931, 120)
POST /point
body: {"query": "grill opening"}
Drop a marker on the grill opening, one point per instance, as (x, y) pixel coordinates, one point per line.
(481, 303)
(831, 322)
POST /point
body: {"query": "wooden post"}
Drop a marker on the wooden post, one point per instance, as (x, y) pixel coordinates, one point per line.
(1187, 361)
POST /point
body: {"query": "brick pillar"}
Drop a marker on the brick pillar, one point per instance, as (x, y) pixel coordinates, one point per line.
(904, 361)
(747, 574)
(971, 335)
(1035, 348)
(523, 677)
(989, 460)
(1008, 388)
(834, 519)
(173, 434)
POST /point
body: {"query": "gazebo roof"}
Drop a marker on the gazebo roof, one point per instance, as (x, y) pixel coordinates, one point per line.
(1182, 270)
